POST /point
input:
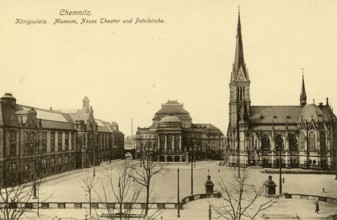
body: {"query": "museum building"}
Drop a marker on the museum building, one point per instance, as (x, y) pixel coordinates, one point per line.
(35, 142)
(173, 137)
(300, 136)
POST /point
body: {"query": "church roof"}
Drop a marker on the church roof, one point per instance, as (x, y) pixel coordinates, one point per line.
(275, 114)
(314, 112)
(290, 114)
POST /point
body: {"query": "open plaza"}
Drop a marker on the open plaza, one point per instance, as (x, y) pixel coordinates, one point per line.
(68, 187)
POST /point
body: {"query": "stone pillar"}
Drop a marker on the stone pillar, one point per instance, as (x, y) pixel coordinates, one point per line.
(180, 142)
(173, 148)
(165, 145)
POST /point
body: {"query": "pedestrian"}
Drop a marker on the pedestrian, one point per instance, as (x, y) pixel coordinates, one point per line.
(283, 180)
(317, 207)
(218, 170)
(323, 190)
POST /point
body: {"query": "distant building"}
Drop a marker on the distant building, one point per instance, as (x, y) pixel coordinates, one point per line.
(303, 135)
(37, 142)
(130, 146)
(173, 137)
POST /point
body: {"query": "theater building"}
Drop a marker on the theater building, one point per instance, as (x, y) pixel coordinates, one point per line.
(35, 142)
(302, 135)
(173, 137)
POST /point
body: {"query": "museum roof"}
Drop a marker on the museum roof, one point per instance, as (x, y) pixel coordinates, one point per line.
(49, 119)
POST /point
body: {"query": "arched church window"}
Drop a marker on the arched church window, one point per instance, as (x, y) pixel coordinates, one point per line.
(265, 143)
(279, 144)
(312, 141)
(302, 140)
(293, 146)
(322, 140)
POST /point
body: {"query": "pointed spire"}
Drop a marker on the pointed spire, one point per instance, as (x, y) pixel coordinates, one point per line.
(303, 96)
(239, 61)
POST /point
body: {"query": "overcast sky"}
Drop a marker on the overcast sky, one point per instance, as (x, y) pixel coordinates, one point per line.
(129, 70)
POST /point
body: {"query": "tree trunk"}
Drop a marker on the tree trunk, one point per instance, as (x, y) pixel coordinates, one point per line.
(147, 197)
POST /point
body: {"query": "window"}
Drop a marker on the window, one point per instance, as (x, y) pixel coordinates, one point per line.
(12, 167)
(293, 142)
(52, 161)
(72, 140)
(322, 140)
(265, 143)
(44, 142)
(12, 150)
(59, 141)
(52, 141)
(302, 141)
(43, 162)
(66, 137)
(279, 144)
(312, 142)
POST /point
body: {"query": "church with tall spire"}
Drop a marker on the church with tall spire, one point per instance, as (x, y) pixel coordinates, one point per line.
(298, 136)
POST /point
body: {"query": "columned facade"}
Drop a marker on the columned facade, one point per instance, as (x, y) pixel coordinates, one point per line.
(174, 138)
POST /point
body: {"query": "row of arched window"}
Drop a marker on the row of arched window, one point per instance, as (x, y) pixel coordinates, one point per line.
(293, 145)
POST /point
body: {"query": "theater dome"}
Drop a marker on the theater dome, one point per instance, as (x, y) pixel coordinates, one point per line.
(169, 119)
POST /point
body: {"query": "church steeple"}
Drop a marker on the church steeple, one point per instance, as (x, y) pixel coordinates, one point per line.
(239, 83)
(239, 61)
(303, 96)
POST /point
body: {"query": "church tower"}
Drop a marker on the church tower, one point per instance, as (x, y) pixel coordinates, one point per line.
(239, 104)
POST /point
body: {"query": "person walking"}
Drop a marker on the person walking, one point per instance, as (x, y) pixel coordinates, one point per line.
(317, 207)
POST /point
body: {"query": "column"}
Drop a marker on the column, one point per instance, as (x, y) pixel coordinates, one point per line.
(165, 145)
(179, 142)
(173, 143)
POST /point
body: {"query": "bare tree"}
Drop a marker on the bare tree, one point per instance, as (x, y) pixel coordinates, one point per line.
(241, 200)
(16, 198)
(88, 183)
(124, 190)
(143, 175)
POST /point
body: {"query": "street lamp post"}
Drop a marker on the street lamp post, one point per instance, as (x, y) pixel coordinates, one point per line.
(194, 160)
(178, 206)
(280, 167)
(209, 212)
(93, 152)
(191, 156)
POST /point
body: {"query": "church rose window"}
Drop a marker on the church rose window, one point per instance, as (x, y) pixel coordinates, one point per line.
(265, 145)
